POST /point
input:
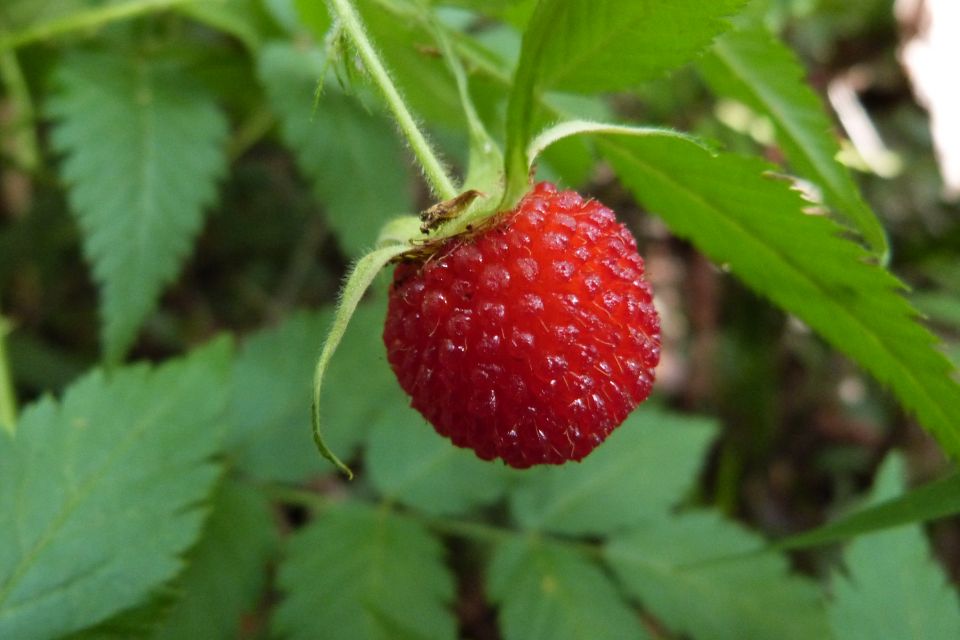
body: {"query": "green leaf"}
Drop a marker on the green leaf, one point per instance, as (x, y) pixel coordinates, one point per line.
(893, 588)
(352, 157)
(932, 501)
(227, 570)
(751, 66)
(646, 467)
(666, 564)
(409, 462)
(144, 150)
(269, 436)
(755, 226)
(586, 46)
(100, 493)
(551, 592)
(600, 45)
(359, 573)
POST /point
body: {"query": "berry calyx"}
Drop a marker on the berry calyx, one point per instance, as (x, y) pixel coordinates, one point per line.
(532, 339)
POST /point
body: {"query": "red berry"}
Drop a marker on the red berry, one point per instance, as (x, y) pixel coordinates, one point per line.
(532, 340)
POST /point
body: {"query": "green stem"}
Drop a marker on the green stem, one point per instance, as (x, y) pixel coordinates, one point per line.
(442, 525)
(433, 169)
(8, 401)
(85, 20)
(23, 135)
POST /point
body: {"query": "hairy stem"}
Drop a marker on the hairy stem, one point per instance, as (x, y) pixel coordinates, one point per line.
(8, 401)
(433, 169)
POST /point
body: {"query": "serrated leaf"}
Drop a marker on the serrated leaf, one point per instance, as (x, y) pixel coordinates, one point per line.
(668, 565)
(600, 45)
(409, 462)
(892, 587)
(269, 436)
(751, 66)
(605, 45)
(100, 493)
(227, 570)
(359, 573)
(351, 156)
(144, 148)
(269, 419)
(551, 592)
(645, 468)
(755, 226)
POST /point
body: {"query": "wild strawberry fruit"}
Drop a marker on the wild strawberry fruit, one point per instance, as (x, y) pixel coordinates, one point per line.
(531, 340)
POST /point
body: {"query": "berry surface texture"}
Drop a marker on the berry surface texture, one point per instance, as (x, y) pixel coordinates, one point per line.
(531, 340)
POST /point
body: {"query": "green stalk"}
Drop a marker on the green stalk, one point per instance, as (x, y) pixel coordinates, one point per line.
(433, 169)
(85, 20)
(22, 133)
(8, 401)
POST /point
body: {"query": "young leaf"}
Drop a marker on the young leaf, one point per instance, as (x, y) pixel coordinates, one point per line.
(269, 436)
(753, 67)
(643, 470)
(892, 587)
(600, 45)
(756, 226)
(144, 149)
(550, 592)
(352, 157)
(227, 570)
(409, 462)
(358, 573)
(661, 563)
(100, 493)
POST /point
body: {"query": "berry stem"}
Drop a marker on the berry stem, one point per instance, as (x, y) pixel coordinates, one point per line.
(436, 175)
(8, 402)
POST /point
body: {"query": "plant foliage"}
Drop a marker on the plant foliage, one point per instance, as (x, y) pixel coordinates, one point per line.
(185, 498)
